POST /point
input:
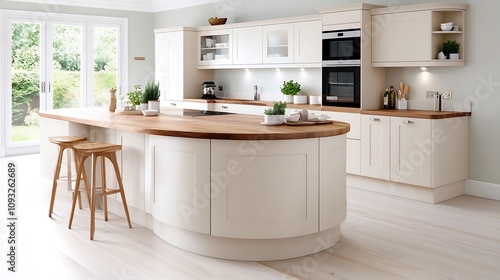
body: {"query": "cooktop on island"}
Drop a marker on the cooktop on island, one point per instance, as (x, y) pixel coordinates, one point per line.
(193, 113)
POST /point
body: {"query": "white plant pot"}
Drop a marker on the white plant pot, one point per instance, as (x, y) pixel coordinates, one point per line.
(300, 99)
(144, 106)
(273, 119)
(454, 56)
(288, 98)
(154, 105)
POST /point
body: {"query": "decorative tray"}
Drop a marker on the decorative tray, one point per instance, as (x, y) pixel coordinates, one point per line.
(128, 112)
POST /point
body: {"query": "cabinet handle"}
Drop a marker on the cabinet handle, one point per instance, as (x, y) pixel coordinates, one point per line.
(224, 107)
(375, 119)
(408, 122)
(173, 104)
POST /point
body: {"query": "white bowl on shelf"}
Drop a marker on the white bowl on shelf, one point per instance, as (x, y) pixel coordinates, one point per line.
(446, 26)
(219, 45)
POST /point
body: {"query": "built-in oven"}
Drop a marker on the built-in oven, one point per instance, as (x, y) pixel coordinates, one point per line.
(341, 69)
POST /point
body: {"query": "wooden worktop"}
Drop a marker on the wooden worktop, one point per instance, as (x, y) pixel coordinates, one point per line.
(420, 114)
(232, 126)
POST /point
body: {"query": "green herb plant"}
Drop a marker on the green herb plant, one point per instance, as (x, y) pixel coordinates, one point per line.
(134, 97)
(277, 109)
(450, 47)
(151, 92)
(290, 88)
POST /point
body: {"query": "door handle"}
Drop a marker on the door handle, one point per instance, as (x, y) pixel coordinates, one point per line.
(42, 87)
(49, 86)
(408, 122)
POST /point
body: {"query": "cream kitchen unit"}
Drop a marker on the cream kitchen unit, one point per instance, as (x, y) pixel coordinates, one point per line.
(175, 64)
(417, 158)
(411, 35)
(224, 186)
(290, 42)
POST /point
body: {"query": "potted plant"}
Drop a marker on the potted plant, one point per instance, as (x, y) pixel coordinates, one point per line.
(289, 89)
(450, 49)
(152, 96)
(134, 97)
(276, 114)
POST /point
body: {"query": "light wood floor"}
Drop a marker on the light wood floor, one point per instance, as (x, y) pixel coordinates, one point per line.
(383, 238)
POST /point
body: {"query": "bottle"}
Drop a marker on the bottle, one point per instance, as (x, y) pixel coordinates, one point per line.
(392, 98)
(386, 99)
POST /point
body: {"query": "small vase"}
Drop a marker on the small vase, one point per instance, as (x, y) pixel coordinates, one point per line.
(154, 105)
(454, 56)
(144, 106)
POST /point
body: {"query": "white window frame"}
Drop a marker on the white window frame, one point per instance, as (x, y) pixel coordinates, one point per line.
(7, 148)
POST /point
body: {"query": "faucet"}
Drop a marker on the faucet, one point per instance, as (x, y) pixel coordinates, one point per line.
(255, 89)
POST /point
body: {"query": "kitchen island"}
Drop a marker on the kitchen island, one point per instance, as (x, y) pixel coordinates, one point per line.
(224, 186)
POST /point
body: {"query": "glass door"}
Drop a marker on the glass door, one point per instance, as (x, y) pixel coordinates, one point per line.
(25, 82)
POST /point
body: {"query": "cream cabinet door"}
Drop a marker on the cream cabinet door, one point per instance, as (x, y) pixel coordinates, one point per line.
(265, 189)
(169, 63)
(247, 45)
(411, 151)
(181, 182)
(131, 161)
(375, 146)
(399, 37)
(307, 42)
(332, 184)
(353, 156)
(278, 43)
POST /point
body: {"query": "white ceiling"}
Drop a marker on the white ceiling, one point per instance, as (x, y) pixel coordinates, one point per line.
(129, 5)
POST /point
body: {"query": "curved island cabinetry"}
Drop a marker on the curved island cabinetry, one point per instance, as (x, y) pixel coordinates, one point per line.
(232, 188)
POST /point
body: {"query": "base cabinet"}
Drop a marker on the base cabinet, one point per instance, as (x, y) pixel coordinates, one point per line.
(131, 162)
(248, 200)
(422, 152)
(181, 182)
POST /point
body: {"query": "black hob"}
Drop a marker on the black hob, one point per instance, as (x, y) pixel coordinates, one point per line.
(195, 113)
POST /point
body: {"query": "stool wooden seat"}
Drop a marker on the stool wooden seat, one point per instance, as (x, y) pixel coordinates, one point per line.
(96, 150)
(65, 142)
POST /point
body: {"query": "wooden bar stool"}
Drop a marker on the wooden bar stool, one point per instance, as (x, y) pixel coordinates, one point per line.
(66, 142)
(96, 150)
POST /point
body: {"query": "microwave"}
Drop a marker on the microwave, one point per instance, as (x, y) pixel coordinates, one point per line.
(342, 46)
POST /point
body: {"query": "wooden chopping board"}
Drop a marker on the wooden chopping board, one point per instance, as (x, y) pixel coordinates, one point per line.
(309, 123)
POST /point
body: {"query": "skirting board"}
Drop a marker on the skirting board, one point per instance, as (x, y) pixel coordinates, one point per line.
(429, 195)
(482, 189)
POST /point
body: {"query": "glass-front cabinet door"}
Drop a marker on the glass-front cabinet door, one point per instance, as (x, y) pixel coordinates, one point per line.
(215, 47)
(278, 43)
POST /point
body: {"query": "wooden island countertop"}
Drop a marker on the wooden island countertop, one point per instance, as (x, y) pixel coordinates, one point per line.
(170, 122)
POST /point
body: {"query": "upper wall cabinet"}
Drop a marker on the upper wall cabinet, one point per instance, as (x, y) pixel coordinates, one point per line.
(278, 43)
(215, 47)
(283, 43)
(247, 42)
(307, 42)
(412, 35)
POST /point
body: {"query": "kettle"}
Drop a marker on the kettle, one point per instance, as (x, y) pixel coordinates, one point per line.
(208, 90)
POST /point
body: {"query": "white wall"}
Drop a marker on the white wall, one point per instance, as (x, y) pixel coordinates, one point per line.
(239, 83)
(478, 81)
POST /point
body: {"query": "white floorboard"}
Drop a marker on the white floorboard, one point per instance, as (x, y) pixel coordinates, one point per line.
(383, 238)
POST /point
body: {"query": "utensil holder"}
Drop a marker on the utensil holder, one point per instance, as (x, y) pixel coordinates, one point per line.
(402, 104)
